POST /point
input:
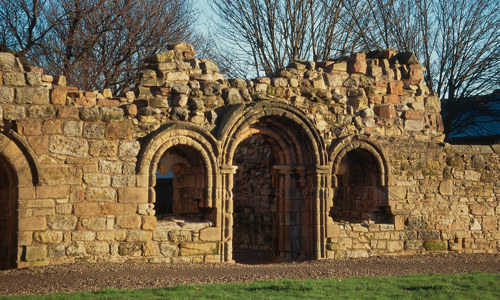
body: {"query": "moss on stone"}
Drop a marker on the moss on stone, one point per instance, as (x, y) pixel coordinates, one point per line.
(435, 245)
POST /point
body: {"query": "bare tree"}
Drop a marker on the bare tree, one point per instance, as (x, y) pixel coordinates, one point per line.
(267, 34)
(96, 43)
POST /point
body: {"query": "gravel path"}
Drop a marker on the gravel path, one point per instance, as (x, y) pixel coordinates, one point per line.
(96, 276)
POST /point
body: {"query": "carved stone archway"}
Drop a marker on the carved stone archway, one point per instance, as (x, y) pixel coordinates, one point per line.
(192, 152)
(299, 176)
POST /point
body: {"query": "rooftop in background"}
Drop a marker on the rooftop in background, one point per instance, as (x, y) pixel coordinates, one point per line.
(477, 120)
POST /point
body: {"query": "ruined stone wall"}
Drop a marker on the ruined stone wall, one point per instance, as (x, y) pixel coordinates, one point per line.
(81, 165)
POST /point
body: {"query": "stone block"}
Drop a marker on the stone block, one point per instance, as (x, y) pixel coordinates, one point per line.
(6, 94)
(41, 111)
(73, 128)
(386, 111)
(133, 195)
(94, 223)
(111, 114)
(58, 96)
(130, 109)
(169, 250)
(414, 125)
(8, 62)
(129, 221)
(396, 88)
(210, 234)
(55, 174)
(62, 222)
(139, 236)
(93, 131)
(386, 227)
(107, 103)
(490, 223)
(90, 114)
(36, 253)
(160, 236)
(71, 146)
(429, 235)
(150, 248)
(149, 223)
(194, 248)
(30, 127)
(413, 115)
(130, 249)
(76, 249)
(14, 79)
(414, 244)
(446, 187)
(415, 222)
(180, 236)
(103, 148)
(13, 113)
(100, 194)
(98, 248)
(394, 246)
(48, 237)
(119, 130)
(64, 209)
(85, 102)
(86, 236)
(57, 251)
(32, 223)
(357, 66)
(129, 150)
(52, 191)
(97, 180)
(118, 208)
(110, 167)
(68, 112)
(42, 203)
(471, 175)
(32, 95)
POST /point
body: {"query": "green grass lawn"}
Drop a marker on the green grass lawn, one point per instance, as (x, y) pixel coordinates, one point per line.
(430, 286)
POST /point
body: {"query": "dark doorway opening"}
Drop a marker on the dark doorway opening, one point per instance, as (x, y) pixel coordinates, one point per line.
(254, 217)
(8, 216)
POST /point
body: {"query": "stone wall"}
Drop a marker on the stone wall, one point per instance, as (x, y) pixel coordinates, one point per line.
(80, 166)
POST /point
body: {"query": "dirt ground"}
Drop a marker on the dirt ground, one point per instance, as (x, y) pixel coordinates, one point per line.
(96, 276)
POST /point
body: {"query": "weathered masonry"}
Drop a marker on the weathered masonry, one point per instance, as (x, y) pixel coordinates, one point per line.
(324, 160)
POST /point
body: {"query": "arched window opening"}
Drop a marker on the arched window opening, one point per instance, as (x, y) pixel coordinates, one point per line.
(254, 202)
(360, 196)
(8, 216)
(181, 185)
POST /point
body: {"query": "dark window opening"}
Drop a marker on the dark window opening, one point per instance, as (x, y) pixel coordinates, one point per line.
(180, 188)
(359, 195)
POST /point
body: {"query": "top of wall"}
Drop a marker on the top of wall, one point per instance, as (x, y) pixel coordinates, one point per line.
(380, 93)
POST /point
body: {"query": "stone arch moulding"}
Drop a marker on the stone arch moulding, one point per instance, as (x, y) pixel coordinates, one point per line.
(21, 175)
(185, 135)
(237, 121)
(360, 177)
(23, 149)
(343, 146)
(302, 168)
